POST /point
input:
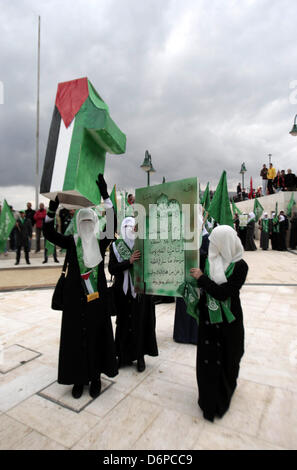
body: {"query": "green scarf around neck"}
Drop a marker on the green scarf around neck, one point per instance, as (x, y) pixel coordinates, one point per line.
(216, 307)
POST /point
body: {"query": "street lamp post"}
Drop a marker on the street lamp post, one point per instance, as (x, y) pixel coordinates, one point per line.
(294, 128)
(242, 171)
(147, 166)
(37, 122)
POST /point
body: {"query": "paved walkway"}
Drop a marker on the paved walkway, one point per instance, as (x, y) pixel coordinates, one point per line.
(156, 409)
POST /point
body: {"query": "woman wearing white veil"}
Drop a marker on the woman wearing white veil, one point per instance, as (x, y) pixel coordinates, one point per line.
(135, 334)
(220, 332)
(87, 346)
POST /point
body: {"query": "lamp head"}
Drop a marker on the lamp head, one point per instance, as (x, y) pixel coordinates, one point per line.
(243, 168)
(146, 166)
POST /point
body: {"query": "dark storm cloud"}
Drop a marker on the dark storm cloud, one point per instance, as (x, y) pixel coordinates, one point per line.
(202, 85)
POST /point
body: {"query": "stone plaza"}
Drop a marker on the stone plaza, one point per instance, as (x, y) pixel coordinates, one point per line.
(156, 409)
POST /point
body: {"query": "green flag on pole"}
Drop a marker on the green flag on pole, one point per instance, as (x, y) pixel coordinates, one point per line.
(292, 202)
(200, 195)
(258, 209)
(7, 222)
(113, 198)
(206, 198)
(235, 208)
(219, 208)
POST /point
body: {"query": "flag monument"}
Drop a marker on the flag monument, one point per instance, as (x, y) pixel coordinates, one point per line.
(81, 133)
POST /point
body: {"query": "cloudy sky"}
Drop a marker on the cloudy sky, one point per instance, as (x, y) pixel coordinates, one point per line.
(204, 85)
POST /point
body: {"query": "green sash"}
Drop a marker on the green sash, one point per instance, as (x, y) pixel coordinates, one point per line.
(123, 249)
(124, 252)
(275, 227)
(265, 225)
(88, 275)
(217, 307)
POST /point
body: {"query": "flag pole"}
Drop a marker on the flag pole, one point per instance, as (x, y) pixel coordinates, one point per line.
(37, 121)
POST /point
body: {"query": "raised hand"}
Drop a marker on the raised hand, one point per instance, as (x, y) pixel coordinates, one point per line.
(101, 183)
(53, 205)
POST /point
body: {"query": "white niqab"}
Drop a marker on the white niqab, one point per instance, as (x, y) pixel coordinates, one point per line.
(127, 231)
(224, 248)
(87, 223)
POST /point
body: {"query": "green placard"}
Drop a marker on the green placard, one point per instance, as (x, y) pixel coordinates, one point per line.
(168, 236)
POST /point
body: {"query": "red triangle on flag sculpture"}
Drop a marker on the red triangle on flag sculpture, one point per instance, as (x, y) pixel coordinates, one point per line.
(70, 98)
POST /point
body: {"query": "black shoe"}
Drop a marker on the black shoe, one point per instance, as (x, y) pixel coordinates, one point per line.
(17, 262)
(77, 390)
(95, 388)
(140, 364)
(56, 260)
(45, 261)
(28, 262)
(208, 417)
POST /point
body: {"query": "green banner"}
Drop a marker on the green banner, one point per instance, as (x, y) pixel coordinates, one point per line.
(292, 202)
(219, 208)
(7, 222)
(235, 208)
(258, 209)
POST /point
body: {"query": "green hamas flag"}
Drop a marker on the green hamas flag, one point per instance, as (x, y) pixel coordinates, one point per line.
(292, 202)
(275, 220)
(113, 198)
(206, 198)
(200, 195)
(219, 208)
(235, 208)
(258, 209)
(7, 222)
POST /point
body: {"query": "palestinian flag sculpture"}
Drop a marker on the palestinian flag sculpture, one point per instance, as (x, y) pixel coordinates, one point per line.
(81, 133)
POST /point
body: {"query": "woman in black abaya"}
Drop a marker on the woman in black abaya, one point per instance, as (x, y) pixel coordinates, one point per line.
(221, 331)
(87, 346)
(135, 334)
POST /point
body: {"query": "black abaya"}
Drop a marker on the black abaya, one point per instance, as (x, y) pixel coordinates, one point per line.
(185, 328)
(87, 346)
(220, 346)
(135, 334)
